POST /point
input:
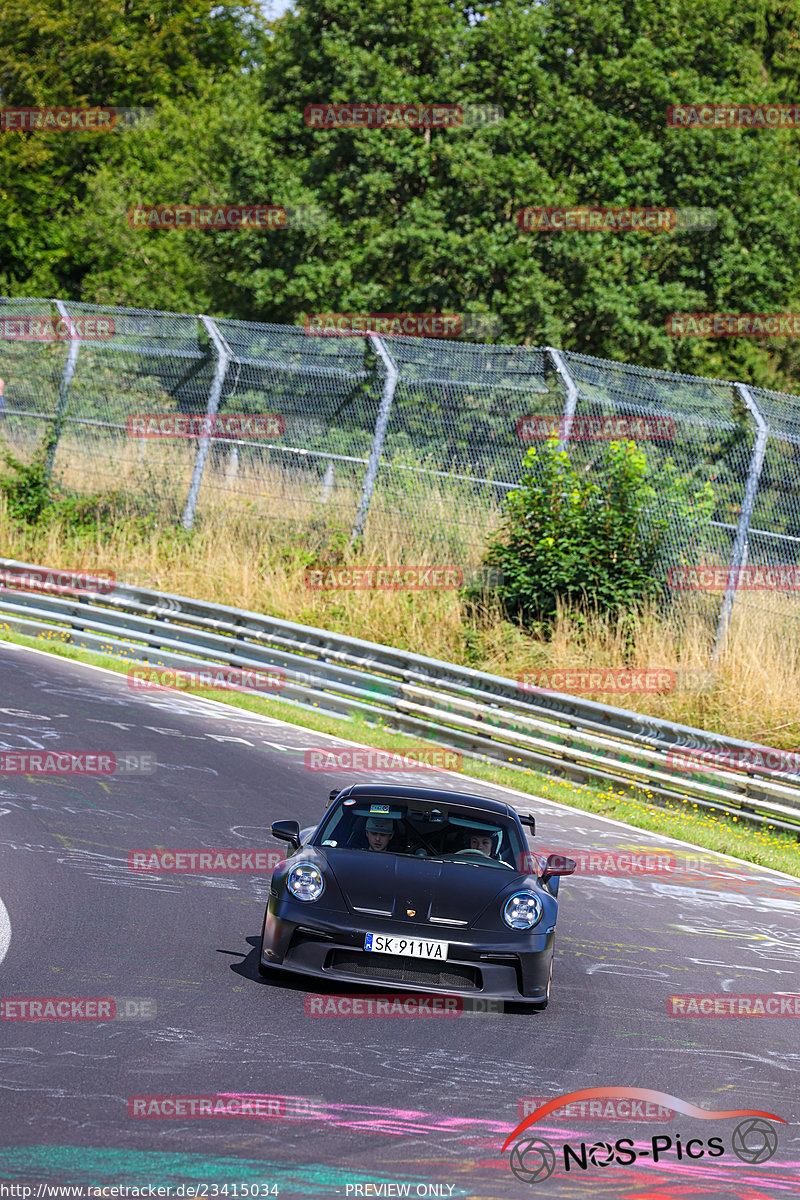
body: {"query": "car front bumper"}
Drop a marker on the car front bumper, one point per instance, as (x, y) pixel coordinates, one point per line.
(504, 966)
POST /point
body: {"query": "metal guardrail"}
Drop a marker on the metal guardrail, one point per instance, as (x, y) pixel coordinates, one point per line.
(484, 716)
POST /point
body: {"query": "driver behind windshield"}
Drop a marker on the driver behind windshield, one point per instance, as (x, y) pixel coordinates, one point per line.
(486, 841)
(380, 831)
(483, 842)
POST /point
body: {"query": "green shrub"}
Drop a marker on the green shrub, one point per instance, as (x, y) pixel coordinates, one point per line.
(27, 491)
(32, 499)
(592, 543)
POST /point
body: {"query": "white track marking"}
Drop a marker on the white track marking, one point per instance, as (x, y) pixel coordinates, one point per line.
(5, 931)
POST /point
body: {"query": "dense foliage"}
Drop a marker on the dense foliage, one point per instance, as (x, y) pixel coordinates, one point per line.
(588, 543)
(411, 219)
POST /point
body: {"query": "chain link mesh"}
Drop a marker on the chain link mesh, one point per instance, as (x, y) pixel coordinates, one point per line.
(454, 443)
(326, 392)
(709, 438)
(453, 447)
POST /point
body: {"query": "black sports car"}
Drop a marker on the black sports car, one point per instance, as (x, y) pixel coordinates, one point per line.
(423, 889)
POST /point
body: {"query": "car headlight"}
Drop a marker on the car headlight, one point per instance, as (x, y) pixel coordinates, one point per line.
(522, 910)
(305, 882)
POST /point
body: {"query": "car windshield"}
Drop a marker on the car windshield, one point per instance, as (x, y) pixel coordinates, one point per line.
(469, 836)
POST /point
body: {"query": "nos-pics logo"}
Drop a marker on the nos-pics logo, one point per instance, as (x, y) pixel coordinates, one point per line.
(754, 1139)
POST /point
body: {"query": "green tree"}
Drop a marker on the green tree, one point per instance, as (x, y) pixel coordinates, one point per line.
(125, 53)
(418, 219)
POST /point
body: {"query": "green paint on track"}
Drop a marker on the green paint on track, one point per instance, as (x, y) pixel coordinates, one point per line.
(90, 1165)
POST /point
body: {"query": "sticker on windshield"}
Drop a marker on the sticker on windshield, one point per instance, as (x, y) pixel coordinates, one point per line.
(379, 808)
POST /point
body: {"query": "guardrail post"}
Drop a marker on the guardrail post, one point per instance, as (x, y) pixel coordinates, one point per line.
(571, 402)
(740, 541)
(223, 352)
(379, 436)
(63, 392)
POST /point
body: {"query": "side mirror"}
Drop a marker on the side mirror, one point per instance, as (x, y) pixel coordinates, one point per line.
(287, 831)
(333, 795)
(557, 864)
(529, 820)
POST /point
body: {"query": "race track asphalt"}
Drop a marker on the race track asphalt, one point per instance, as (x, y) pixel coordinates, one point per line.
(372, 1103)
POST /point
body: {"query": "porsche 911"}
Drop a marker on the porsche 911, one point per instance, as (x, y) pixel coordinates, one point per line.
(418, 888)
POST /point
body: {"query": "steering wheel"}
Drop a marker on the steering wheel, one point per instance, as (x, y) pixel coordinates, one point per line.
(482, 854)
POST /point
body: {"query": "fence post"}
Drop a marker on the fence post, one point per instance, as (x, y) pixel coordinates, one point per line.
(328, 481)
(224, 356)
(378, 438)
(571, 402)
(740, 541)
(63, 391)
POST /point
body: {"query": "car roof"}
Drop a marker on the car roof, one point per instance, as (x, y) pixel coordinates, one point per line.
(429, 795)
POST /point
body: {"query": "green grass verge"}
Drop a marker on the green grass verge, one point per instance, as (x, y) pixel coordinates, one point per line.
(685, 821)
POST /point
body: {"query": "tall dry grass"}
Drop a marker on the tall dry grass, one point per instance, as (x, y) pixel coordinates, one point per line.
(255, 538)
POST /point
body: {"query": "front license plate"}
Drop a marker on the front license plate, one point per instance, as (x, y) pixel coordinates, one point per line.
(412, 947)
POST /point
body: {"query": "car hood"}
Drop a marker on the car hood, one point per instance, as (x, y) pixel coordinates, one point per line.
(391, 885)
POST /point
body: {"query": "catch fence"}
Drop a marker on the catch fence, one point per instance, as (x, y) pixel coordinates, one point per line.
(414, 439)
